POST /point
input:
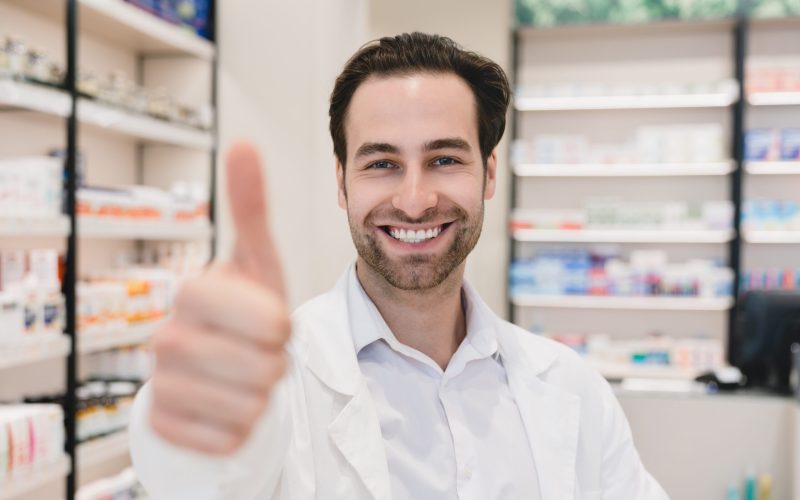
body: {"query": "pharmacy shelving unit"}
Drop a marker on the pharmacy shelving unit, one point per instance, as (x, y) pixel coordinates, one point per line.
(532, 45)
(147, 40)
(772, 41)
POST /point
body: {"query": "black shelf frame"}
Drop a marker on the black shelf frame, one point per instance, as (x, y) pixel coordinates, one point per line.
(736, 178)
(69, 287)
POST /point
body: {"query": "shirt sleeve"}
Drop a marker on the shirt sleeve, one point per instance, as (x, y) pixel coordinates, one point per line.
(623, 473)
(168, 472)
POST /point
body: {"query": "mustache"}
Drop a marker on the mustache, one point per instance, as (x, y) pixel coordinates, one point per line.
(432, 214)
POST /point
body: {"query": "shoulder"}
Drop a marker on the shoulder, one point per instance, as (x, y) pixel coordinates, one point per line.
(552, 361)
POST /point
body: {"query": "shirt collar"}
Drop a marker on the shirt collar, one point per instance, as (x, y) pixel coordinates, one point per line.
(367, 325)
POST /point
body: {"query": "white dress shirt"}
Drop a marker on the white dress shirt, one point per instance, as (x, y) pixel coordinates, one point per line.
(452, 434)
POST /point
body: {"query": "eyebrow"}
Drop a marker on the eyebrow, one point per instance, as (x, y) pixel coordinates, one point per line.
(370, 148)
(447, 143)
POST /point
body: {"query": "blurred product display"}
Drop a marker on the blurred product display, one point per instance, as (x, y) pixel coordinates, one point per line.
(690, 143)
(772, 77)
(765, 144)
(31, 187)
(123, 486)
(31, 303)
(546, 13)
(19, 62)
(648, 274)
(109, 301)
(184, 204)
(133, 364)
(613, 213)
(190, 14)
(103, 406)
(770, 279)
(771, 215)
(135, 147)
(32, 438)
(695, 354)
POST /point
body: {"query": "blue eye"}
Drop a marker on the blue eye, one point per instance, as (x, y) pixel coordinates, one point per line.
(445, 161)
(381, 165)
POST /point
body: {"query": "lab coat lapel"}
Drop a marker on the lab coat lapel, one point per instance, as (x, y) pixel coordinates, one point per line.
(355, 431)
(551, 419)
(551, 416)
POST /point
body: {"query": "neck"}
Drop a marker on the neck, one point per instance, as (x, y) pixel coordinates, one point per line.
(431, 321)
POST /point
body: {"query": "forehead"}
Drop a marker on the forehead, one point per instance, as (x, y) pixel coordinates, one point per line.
(410, 110)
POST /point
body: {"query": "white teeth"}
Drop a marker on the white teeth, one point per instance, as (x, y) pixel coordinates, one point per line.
(409, 236)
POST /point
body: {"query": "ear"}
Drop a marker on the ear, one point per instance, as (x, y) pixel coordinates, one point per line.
(491, 176)
(340, 182)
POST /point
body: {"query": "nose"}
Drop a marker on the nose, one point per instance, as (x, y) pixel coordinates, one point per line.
(416, 194)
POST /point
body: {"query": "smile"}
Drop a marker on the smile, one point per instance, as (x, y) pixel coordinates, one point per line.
(414, 235)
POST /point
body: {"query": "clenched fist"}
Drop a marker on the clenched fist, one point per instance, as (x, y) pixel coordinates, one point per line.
(222, 352)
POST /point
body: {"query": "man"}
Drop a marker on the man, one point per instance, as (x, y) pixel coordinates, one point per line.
(400, 382)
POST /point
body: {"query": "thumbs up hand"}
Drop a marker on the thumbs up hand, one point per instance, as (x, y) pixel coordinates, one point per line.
(222, 352)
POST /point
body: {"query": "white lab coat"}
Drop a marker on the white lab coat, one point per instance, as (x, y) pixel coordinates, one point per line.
(320, 437)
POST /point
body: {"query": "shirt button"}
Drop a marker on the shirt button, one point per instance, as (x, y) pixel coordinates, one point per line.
(466, 473)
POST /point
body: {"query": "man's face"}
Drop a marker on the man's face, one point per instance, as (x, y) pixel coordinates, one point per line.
(415, 182)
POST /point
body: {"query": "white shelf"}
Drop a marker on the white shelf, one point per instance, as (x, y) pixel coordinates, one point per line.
(39, 477)
(102, 449)
(39, 227)
(713, 100)
(33, 349)
(619, 371)
(632, 303)
(777, 237)
(132, 27)
(114, 229)
(32, 97)
(623, 236)
(100, 340)
(624, 170)
(774, 98)
(126, 26)
(142, 126)
(773, 167)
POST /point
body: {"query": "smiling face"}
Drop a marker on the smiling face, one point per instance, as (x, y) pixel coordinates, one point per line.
(415, 182)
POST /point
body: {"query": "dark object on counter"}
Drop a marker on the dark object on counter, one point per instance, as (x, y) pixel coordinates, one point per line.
(723, 379)
(768, 324)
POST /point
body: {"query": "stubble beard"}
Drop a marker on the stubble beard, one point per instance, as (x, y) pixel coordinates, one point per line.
(421, 271)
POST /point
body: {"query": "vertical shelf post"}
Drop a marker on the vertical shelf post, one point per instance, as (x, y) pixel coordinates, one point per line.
(737, 176)
(71, 271)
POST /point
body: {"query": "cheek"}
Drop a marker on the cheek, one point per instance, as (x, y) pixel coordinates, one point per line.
(363, 198)
(466, 191)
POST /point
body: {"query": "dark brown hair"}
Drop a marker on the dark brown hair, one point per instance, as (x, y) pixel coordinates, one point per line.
(418, 53)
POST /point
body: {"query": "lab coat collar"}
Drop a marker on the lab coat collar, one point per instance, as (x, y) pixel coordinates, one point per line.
(367, 325)
(551, 415)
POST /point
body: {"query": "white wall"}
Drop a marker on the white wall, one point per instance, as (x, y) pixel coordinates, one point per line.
(278, 61)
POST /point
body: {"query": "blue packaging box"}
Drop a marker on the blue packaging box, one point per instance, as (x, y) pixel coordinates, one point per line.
(760, 145)
(790, 144)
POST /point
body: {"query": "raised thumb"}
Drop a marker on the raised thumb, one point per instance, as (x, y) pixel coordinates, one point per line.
(254, 252)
